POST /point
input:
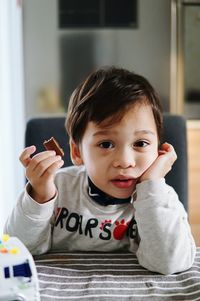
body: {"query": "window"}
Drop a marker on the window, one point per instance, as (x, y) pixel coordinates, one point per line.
(11, 106)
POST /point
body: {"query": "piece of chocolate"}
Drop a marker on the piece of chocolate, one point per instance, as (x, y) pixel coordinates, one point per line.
(52, 144)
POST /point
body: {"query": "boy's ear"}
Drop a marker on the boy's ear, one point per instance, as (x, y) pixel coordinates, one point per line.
(75, 154)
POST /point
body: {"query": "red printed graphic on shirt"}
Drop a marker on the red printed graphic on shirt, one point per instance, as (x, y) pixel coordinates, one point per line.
(120, 229)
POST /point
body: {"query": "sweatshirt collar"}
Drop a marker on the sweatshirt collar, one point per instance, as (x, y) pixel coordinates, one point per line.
(102, 198)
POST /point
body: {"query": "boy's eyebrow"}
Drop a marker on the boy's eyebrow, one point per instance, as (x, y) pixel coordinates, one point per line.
(101, 132)
(106, 132)
(145, 132)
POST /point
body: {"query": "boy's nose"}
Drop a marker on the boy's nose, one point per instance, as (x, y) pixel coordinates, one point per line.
(124, 159)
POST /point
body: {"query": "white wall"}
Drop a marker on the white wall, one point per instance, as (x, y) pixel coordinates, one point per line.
(145, 49)
(41, 59)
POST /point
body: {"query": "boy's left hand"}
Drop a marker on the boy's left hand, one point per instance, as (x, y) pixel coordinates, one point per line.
(162, 165)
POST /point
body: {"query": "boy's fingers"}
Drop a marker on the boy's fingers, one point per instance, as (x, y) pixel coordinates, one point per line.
(166, 146)
(169, 150)
(40, 167)
(161, 152)
(25, 155)
(53, 168)
(39, 160)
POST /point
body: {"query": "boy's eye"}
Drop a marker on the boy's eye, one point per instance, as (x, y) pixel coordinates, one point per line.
(141, 143)
(106, 144)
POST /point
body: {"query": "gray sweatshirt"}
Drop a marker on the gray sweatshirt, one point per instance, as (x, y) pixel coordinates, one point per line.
(153, 225)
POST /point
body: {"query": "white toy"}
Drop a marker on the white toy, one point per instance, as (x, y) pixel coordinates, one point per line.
(18, 275)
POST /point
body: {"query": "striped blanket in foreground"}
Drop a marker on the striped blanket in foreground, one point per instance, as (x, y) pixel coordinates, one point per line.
(112, 277)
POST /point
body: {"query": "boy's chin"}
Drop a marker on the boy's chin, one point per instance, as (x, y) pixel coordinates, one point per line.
(120, 195)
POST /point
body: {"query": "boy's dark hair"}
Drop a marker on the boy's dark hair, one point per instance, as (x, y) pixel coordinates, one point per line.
(105, 96)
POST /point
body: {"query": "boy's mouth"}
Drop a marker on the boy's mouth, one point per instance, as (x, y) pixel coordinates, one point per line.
(124, 182)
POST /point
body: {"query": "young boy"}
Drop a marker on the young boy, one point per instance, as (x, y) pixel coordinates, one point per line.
(115, 197)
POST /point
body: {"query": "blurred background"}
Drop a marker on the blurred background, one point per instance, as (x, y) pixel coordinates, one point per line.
(48, 46)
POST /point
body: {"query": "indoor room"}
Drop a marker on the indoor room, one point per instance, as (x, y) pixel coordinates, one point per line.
(47, 49)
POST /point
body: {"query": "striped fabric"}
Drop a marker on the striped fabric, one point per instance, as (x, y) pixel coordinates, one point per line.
(112, 277)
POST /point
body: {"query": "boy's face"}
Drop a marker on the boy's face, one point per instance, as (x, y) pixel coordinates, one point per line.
(116, 156)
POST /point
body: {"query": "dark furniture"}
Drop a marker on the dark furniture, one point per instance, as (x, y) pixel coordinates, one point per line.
(42, 128)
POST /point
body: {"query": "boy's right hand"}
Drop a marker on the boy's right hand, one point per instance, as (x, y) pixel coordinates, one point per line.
(40, 171)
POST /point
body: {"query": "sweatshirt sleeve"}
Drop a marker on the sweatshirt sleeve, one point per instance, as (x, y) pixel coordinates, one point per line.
(31, 223)
(166, 243)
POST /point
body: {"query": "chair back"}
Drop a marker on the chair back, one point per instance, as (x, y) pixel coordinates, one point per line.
(43, 128)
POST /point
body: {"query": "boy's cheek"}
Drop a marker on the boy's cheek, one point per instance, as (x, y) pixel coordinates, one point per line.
(149, 163)
(154, 158)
